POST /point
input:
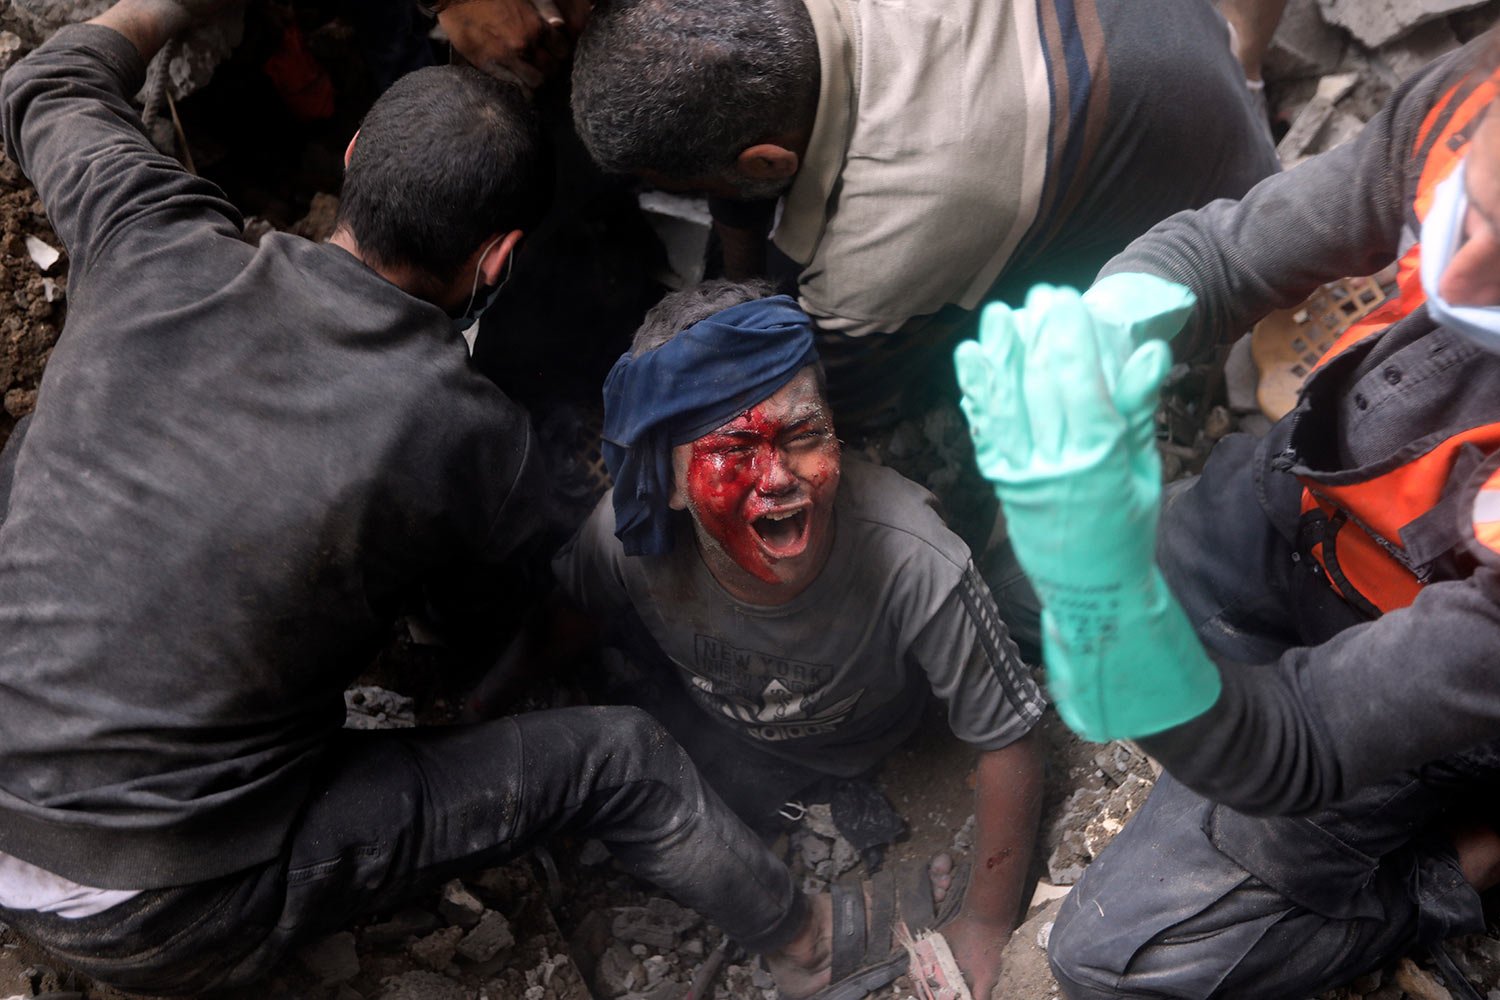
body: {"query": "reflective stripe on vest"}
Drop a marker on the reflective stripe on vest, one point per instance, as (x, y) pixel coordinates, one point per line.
(1359, 541)
(1486, 515)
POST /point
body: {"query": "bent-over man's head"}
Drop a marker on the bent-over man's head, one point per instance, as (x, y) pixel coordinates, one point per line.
(719, 410)
(446, 173)
(698, 94)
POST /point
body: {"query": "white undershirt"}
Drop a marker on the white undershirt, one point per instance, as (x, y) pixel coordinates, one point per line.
(24, 886)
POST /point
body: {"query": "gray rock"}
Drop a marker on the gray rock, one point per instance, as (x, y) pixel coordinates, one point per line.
(422, 986)
(332, 960)
(458, 906)
(1380, 22)
(618, 972)
(11, 49)
(812, 847)
(667, 989)
(656, 968)
(1431, 41)
(658, 925)
(1304, 45)
(436, 950)
(489, 937)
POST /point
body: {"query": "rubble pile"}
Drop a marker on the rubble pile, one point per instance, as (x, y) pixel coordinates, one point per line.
(1333, 62)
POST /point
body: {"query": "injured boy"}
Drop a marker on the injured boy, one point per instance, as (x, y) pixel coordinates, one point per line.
(798, 605)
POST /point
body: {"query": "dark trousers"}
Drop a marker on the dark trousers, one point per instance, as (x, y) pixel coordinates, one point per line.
(400, 810)
(1194, 899)
(391, 813)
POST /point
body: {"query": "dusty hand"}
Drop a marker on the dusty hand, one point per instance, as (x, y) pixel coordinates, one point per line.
(525, 40)
(977, 947)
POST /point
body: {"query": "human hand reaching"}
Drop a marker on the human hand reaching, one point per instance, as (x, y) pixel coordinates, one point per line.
(522, 40)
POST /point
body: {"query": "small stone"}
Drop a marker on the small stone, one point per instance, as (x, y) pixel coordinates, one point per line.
(760, 978)
(693, 948)
(618, 972)
(489, 937)
(422, 986)
(534, 992)
(639, 950)
(1044, 935)
(458, 906)
(436, 950)
(659, 924)
(814, 849)
(395, 931)
(332, 960)
(1418, 984)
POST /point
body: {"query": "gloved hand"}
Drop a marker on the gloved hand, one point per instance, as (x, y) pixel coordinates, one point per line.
(1060, 401)
(1138, 307)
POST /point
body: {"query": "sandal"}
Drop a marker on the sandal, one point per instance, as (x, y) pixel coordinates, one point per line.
(867, 935)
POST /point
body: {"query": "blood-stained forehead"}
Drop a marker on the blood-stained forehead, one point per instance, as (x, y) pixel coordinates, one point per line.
(798, 402)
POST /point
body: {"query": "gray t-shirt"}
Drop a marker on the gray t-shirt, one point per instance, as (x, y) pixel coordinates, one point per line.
(826, 679)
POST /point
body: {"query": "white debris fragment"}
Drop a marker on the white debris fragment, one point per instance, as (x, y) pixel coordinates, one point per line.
(42, 255)
(50, 290)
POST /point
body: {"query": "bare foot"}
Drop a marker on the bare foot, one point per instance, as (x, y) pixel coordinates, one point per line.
(803, 967)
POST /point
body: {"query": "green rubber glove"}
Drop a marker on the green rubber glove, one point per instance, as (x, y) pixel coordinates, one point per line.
(1061, 401)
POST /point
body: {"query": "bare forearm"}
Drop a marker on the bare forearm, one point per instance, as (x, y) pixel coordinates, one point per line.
(1007, 808)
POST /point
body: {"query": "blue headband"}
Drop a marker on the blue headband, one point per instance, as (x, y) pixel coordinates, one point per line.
(695, 382)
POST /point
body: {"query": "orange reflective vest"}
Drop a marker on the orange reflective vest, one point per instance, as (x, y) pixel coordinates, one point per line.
(1354, 528)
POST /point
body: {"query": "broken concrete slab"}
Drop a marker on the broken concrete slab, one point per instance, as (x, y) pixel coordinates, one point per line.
(436, 950)
(1304, 44)
(489, 937)
(458, 906)
(1403, 59)
(1380, 22)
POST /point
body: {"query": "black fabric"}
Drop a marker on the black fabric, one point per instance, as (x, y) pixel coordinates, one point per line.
(242, 462)
(397, 811)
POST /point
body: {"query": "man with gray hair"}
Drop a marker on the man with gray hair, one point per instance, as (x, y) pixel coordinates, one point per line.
(928, 157)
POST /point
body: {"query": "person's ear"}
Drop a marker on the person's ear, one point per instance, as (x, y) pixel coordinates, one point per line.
(492, 264)
(767, 161)
(349, 150)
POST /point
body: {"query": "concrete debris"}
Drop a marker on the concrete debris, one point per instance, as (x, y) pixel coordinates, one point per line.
(185, 66)
(660, 924)
(1431, 41)
(437, 950)
(376, 708)
(458, 906)
(332, 960)
(42, 254)
(619, 972)
(1380, 22)
(1419, 985)
(1304, 44)
(422, 986)
(489, 937)
(11, 49)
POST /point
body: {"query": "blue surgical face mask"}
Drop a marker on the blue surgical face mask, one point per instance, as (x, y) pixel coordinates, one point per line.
(476, 306)
(1442, 235)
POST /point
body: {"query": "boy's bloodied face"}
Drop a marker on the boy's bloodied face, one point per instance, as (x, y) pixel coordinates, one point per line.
(761, 487)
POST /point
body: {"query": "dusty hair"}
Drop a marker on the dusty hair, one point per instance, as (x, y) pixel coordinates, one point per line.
(682, 87)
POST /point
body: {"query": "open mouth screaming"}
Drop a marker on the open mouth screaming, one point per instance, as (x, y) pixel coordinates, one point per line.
(783, 533)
